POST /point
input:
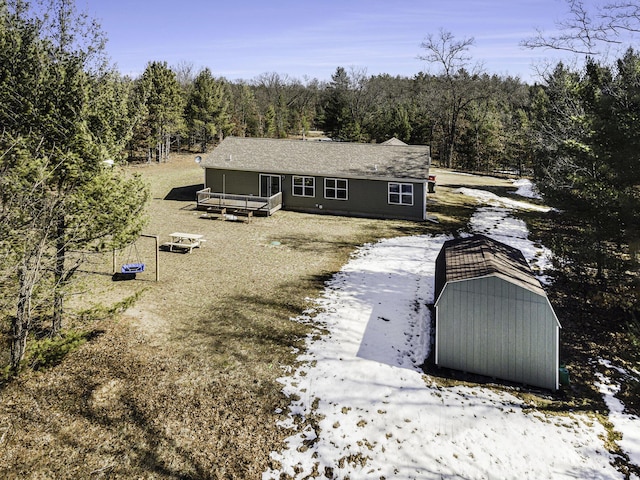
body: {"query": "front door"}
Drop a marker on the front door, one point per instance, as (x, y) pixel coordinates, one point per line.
(269, 185)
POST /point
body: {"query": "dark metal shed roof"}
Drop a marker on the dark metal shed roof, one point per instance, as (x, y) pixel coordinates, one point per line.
(306, 157)
(481, 256)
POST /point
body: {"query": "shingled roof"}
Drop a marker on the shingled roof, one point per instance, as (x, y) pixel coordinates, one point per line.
(481, 256)
(306, 157)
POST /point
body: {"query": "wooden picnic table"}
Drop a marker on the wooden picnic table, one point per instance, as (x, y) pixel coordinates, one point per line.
(184, 241)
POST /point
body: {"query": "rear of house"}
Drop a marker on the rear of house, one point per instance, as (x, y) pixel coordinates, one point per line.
(367, 180)
(492, 316)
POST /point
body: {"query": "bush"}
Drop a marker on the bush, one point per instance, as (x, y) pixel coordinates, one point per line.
(49, 352)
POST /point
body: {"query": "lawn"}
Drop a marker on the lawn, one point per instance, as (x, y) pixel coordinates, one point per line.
(177, 378)
(183, 382)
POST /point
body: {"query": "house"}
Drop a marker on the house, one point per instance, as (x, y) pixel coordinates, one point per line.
(493, 317)
(355, 179)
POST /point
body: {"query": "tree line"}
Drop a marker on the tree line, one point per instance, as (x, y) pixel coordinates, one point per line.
(586, 126)
(67, 116)
(471, 120)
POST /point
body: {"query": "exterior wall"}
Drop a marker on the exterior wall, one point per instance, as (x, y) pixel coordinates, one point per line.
(441, 273)
(366, 198)
(232, 181)
(492, 327)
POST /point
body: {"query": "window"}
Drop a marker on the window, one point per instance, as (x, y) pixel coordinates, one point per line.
(304, 186)
(336, 188)
(400, 193)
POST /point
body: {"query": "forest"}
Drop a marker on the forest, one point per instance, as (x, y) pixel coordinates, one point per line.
(65, 111)
(473, 121)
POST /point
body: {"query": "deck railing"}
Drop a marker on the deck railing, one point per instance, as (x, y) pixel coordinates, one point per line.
(206, 198)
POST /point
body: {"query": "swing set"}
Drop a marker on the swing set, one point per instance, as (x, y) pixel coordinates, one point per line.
(133, 262)
(134, 267)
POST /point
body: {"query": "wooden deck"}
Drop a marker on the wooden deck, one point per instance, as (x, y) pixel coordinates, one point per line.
(232, 214)
(226, 204)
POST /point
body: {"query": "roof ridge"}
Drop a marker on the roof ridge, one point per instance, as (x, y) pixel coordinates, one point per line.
(474, 257)
(331, 142)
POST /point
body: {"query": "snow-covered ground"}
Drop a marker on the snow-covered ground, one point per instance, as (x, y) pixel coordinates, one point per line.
(628, 425)
(361, 407)
(526, 188)
(507, 202)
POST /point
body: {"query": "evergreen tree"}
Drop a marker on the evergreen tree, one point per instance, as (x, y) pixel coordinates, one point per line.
(27, 222)
(271, 122)
(424, 115)
(587, 159)
(617, 140)
(159, 90)
(337, 119)
(56, 195)
(112, 116)
(207, 109)
(245, 116)
(564, 162)
(480, 147)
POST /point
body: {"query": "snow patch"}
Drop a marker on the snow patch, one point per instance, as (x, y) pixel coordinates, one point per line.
(497, 223)
(624, 423)
(362, 408)
(527, 189)
(493, 199)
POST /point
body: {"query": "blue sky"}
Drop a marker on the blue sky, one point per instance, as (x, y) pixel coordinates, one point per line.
(243, 39)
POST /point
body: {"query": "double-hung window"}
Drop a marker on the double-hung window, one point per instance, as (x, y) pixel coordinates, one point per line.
(304, 186)
(400, 193)
(336, 188)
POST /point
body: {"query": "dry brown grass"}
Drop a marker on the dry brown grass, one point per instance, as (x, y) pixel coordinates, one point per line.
(183, 384)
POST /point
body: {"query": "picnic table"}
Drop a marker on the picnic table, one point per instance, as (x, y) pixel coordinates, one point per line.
(184, 241)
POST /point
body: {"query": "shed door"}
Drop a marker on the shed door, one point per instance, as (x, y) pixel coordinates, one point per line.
(269, 185)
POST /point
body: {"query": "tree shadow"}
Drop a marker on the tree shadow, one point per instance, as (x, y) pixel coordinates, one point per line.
(252, 327)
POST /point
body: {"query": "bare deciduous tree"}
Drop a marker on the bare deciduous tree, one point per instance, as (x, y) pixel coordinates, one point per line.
(458, 77)
(592, 28)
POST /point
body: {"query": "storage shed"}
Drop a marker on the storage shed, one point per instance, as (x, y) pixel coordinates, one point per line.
(493, 317)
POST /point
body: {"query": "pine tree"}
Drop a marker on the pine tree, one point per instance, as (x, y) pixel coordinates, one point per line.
(207, 109)
(159, 90)
(338, 123)
(244, 111)
(57, 193)
(587, 140)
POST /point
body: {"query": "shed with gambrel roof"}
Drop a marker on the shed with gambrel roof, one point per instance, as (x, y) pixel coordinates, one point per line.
(356, 179)
(493, 317)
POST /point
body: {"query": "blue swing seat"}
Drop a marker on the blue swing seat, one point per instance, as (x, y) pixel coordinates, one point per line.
(132, 268)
